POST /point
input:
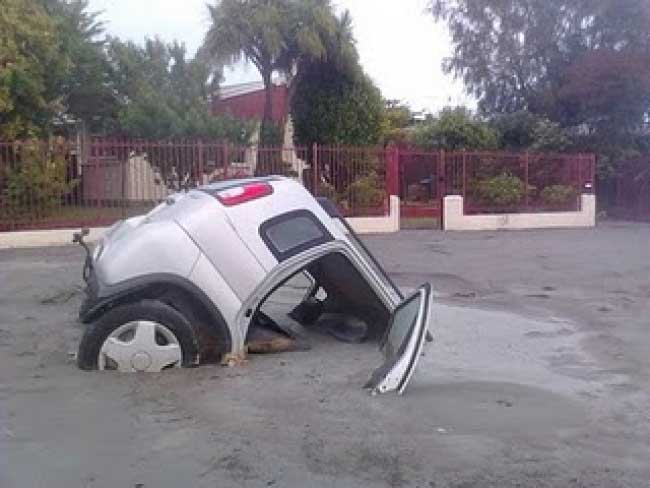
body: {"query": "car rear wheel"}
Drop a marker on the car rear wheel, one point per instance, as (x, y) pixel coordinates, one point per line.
(146, 336)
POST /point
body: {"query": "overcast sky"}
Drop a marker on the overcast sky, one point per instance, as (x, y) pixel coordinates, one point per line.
(400, 45)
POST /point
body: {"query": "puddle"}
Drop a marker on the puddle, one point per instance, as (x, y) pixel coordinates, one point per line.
(488, 345)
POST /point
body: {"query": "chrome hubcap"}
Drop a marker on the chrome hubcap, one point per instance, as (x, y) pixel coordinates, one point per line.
(140, 346)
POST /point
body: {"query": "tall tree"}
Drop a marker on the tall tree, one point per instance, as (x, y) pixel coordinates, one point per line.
(552, 57)
(330, 108)
(334, 101)
(85, 87)
(54, 70)
(274, 35)
(30, 63)
(455, 129)
(162, 93)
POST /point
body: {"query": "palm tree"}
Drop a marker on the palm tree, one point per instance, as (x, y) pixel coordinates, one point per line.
(274, 35)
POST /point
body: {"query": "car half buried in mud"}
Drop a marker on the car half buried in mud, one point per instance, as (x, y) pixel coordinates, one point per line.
(186, 283)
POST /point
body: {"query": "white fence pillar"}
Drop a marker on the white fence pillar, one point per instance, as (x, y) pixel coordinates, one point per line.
(454, 217)
(379, 225)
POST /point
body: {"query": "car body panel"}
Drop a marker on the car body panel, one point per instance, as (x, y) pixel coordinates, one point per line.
(135, 250)
(208, 279)
(288, 196)
(213, 232)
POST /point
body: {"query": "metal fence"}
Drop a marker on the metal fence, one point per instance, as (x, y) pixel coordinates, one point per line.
(629, 195)
(357, 179)
(59, 183)
(498, 182)
(493, 182)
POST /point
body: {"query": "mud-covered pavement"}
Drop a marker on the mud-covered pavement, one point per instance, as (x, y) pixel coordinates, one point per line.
(539, 376)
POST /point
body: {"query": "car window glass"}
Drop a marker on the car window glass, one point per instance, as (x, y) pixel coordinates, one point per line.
(403, 322)
(293, 232)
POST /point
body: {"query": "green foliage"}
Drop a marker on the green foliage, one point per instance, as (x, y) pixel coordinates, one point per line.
(59, 71)
(521, 54)
(31, 63)
(549, 137)
(333, 101)
(523, 130)
(271, 135)
(84, 87)
(165, 95)
(504, 190)
(54, 71)
(332, 109)
(367, 191)
(397, 114)
(580, 64)
(397, 118)
(455, 129)
(37, 184)
(558, 194)
(277, 37)
(516, 130)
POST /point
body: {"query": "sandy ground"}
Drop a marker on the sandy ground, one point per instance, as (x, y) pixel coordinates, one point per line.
(539, 377)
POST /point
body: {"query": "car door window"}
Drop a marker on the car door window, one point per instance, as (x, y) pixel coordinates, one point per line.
(402, 344)
(401, 326)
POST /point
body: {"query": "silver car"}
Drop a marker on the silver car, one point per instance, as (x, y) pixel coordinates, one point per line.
(187, 282)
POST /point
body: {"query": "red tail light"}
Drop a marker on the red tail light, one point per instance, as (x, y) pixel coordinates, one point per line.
(244, 193)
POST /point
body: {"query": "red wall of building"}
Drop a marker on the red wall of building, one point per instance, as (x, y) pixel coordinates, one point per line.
(251, 105)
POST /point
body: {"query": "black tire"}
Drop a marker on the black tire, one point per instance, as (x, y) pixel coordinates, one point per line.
(154, 310)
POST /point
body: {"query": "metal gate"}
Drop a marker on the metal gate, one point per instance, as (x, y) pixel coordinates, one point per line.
(422, 187)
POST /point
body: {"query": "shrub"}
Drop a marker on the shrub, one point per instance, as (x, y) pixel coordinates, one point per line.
(504, 189)
(558, 194)
(455, 129)
(367, 191)
(36, 184)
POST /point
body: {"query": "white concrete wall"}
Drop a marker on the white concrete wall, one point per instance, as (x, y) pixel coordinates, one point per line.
(454, 218)
(378, 225)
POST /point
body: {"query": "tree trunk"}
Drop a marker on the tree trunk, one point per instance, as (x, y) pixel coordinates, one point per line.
(267, 118)
(292, 86)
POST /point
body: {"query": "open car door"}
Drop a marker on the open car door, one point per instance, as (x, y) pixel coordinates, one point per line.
(402, 343)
